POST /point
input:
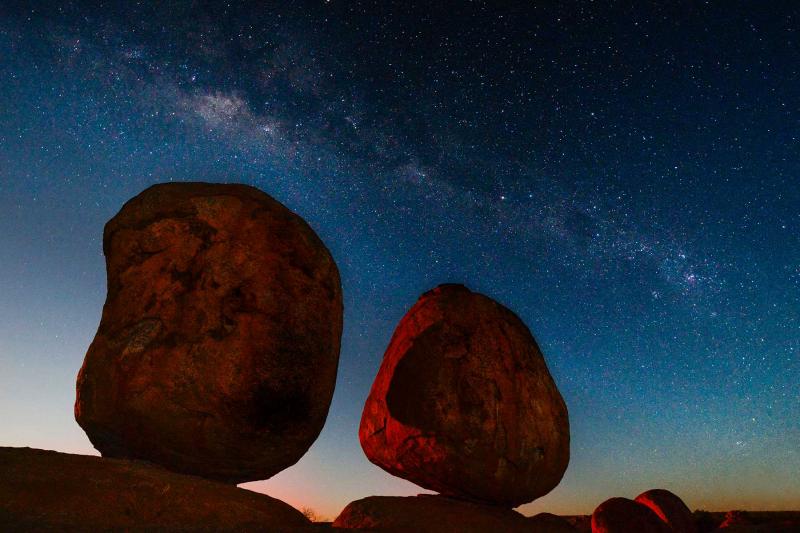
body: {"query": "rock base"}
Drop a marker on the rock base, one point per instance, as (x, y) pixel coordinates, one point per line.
(428, 514)
(49, 491)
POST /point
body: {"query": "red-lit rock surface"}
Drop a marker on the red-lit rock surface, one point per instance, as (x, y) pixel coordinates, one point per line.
(50, 491)
(218, 346)
(463, 403)
(735, 518)
(670, 509)
(549, 523)
(621, 515)
(429, 514)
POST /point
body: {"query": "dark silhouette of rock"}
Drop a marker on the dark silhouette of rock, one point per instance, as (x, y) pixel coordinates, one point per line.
(463, 403)
(581, 523)
(217, 351)
(49, 491)
(735, 518)
(767, 527)
(549, 523)
(705, 521)
(621, 515)
(670, 509)
(748, 521)
(429, 514)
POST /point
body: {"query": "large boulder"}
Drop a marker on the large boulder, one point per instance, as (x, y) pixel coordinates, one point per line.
(463, 403)
(218, 346)
(50, 491)
(429, 514)
(670, 509)
(621, 515)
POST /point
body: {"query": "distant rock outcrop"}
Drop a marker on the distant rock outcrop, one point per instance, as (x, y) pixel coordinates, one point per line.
(50, 491)
(549, 523)
(739, 522)
(581, 523)
(429, 514)
(670, 509)
(217, 351)
(463, 403)
(621, 515)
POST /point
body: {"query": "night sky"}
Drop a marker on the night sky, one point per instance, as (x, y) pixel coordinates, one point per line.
(626, 179)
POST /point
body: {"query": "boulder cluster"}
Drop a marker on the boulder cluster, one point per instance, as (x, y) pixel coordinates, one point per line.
(215, 362)
(654, 511)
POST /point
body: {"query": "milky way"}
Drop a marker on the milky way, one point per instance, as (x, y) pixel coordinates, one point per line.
(625, 179)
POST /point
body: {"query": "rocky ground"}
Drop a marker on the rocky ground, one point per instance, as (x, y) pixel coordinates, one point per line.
(50, 491)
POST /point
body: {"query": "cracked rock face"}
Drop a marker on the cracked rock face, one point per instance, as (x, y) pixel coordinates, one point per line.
(463, 403)
(218, 346)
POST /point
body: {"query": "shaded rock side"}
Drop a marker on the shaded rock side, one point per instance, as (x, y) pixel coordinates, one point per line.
(429, 514)
(621, 515)
(464, 405)
(669, 508)
(49, 491)
(218, 347)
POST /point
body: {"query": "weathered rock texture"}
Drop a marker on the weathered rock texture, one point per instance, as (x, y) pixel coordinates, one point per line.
(429, 514)
(621, 515)
(217, 351)
(549, 523)
(463, 403)
(670, 509)
(50, 491)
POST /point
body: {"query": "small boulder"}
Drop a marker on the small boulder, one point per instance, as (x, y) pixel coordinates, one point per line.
(464, 405)
(429, 514)
(42, 490)
(736, 520)
(621, 515)
(218, 346)
(670, 509)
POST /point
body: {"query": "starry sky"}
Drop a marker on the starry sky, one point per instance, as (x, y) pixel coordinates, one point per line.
(625, 177)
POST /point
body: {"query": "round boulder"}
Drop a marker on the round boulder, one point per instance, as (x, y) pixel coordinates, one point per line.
(218, 345)
(463, 403)
(670, 509)
(621, 515)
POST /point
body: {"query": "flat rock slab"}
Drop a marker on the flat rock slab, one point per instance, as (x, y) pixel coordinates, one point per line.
(429, 514)
(464, 405)
(218, 347)
(43, 490)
